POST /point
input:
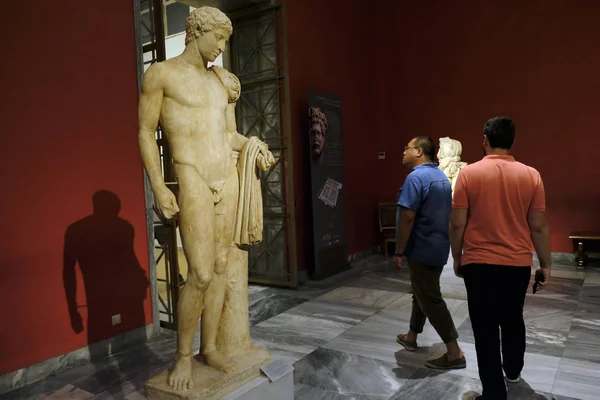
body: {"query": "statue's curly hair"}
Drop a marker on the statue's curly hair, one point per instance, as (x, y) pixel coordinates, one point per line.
(316, 116)
(205, 19)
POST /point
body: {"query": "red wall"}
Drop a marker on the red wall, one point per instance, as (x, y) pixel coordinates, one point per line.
(455, 66)
(402, 68)
(68, 130)
(406, 68)
(324, 40)
(451, 67)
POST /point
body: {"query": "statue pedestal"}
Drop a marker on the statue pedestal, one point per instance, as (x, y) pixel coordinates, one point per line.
(210, 384)
(275, 383)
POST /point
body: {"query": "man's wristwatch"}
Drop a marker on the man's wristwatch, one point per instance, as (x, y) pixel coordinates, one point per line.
(399, 254)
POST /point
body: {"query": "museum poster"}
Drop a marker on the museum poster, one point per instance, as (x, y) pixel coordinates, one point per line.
(325, 136)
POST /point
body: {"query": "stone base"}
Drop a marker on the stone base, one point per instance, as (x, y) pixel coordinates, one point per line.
(210, 384)
(277, 384)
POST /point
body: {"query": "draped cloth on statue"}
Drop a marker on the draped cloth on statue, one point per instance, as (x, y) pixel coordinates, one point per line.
(249, 218)
(451, 166)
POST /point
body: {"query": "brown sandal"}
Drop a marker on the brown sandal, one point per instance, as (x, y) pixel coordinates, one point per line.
(408, 345)
(443, 363)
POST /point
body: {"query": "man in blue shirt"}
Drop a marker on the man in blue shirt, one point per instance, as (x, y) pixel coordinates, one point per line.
(424, 208)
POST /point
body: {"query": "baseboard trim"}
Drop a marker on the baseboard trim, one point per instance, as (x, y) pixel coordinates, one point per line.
(361, 255)
(557, 259)
(36, 372)
(355, 270)
(303, 277)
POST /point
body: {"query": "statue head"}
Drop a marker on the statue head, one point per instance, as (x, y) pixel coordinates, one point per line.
(209, 29)
(317, 130)
(449, 148)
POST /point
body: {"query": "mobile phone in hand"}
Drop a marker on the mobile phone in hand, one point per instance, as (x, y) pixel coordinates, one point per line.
(539, 277)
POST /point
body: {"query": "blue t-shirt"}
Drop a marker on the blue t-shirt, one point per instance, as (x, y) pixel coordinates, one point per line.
(427, 191)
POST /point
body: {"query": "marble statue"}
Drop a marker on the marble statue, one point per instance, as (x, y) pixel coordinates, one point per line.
(219, 197)
(449, 159)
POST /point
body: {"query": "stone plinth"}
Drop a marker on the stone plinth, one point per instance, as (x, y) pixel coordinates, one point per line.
(210, 384)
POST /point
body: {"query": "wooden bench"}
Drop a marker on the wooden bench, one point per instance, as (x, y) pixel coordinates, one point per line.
(387, 224)
(583, 241)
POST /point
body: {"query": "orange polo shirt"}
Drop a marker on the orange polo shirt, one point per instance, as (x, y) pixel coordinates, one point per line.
(499, 193)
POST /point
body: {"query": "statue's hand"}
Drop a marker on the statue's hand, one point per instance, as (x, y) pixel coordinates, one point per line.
(166, 202)
(265, 159)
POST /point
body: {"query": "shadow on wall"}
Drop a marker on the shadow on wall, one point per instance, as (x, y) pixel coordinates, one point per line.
(102, 244)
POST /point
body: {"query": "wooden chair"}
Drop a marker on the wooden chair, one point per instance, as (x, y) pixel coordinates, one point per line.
(387, 223)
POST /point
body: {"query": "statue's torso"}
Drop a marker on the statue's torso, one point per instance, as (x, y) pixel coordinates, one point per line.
(193, 118)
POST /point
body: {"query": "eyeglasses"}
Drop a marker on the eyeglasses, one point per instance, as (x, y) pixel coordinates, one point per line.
(410, 147)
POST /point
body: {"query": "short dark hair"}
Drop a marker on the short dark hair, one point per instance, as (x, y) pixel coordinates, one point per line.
(426, 144)
(500, 132)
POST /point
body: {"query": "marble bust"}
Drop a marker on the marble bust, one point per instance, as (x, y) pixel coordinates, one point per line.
(219, 198)
(448, 155)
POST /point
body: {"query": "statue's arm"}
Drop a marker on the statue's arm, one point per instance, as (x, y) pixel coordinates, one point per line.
(237, 141)
(265, 159)
(148, 116)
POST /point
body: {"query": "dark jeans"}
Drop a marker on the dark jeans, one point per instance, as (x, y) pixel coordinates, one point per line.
(428, 301)
(496, 294)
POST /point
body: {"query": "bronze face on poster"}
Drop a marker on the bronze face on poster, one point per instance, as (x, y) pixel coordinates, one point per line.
(327, 184)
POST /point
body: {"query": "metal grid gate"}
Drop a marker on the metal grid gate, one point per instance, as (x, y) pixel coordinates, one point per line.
(163, 234)
(258, 58)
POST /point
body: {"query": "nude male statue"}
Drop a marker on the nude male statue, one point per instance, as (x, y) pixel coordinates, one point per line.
(195, 106)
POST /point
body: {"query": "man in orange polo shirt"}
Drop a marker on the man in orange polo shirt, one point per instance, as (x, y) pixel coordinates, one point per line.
(498, 210)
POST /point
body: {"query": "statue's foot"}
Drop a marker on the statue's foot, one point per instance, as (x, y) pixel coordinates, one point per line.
(218, 361)
(180, 374)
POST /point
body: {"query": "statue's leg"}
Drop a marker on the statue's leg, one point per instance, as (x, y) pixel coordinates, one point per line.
(197, 219)
(225, 212)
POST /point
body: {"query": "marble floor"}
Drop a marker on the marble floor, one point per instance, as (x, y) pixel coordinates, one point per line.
(341, 341)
